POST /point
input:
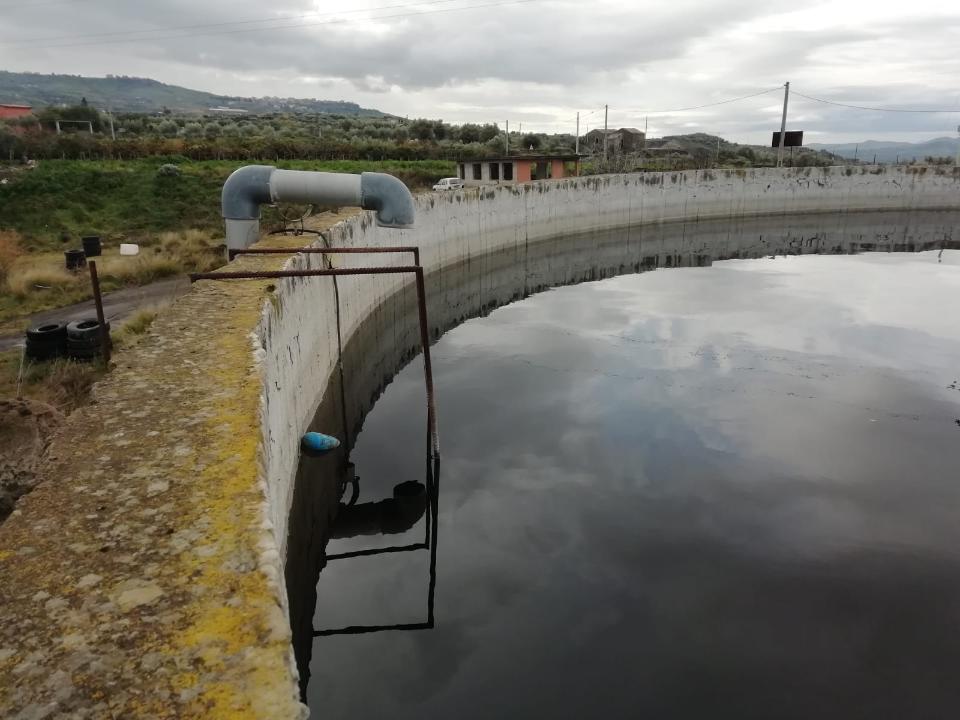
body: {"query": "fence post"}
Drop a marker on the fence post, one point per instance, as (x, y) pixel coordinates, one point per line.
(98, 302)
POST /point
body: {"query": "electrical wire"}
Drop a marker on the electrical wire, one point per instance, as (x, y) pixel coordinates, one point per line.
(873, 109)
(336, 21)
(705, 105)
(275, 19)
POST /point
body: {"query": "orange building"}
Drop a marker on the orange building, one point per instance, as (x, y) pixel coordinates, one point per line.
(11, 112)
(518, 169)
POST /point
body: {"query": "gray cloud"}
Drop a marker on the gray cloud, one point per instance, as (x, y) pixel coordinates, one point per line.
(537, 61)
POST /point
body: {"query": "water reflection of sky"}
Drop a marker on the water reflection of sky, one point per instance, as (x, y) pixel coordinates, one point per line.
(717, 492)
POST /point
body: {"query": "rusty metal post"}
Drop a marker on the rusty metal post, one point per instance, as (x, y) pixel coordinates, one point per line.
(280, 274)
(98, 302)
(434, 442)
(427, 365)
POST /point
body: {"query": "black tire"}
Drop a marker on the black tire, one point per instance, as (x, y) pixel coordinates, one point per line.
(83, 351)
(44, 352)
(47, 341)
(47, 332)
(83, 339)
(86, 329)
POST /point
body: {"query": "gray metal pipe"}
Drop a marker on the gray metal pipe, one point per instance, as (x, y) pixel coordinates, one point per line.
(251, 186)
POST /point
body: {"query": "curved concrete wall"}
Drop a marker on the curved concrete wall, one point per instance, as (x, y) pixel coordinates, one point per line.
(144, 576)
(659, 216)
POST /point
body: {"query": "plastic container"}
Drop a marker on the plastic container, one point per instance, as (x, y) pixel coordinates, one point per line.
(75, 259)
(92, 246)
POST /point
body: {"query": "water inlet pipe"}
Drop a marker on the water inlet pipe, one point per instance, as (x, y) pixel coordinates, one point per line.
(251, 186)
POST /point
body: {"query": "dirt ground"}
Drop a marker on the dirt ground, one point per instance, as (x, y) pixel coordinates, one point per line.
(26, 431)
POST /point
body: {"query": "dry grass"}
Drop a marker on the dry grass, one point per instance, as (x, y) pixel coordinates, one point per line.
(136, 326)
(62, 383)
(70, 382)
(10, 250)
(24, 281)
(137, 270)
(39, 281)
(140, 321)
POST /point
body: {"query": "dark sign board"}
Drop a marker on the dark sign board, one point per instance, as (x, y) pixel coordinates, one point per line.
(793, 138)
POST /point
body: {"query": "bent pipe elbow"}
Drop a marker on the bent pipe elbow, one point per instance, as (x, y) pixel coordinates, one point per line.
(245, 191)
(389, 197)
(251, 186)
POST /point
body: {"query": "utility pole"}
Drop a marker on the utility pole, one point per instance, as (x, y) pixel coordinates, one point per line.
(783, 124)
(506, 139)
(113, 134)
(576, 143)
(646, 123)
(956, 163)
(606, 109)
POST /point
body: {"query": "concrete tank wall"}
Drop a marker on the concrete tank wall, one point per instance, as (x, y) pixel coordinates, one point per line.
(661, 214)
(144, 576)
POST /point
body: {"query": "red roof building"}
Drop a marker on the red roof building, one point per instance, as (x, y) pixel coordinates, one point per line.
(10, 112)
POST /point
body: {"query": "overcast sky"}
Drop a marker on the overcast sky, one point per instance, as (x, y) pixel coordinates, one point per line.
(535, 62)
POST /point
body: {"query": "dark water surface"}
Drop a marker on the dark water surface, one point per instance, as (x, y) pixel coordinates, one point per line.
(727, 492)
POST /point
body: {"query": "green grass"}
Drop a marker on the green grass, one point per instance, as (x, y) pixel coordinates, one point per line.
(127, 200)
(175, 220)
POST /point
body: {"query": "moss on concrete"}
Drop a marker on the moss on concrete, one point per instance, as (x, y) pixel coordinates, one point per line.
(140, 579)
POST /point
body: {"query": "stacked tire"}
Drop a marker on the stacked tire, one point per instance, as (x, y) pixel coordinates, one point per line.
(47, 341)
(83, 339)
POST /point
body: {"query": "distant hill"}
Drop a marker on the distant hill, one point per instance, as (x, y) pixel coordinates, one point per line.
(131, 94)
(705, 145)
(888, 152)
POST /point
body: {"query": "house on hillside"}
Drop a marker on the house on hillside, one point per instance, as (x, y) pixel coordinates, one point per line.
(624, 140)
(518, 169)
(12, 112)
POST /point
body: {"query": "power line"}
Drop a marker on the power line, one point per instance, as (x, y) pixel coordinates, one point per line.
(706, 105)
(874, 109)
(276, 19)
(336, 21)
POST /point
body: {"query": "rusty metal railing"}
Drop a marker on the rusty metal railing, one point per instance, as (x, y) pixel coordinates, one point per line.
(416, 270)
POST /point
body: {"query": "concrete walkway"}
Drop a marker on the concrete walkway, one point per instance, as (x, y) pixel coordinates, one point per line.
(117, 306)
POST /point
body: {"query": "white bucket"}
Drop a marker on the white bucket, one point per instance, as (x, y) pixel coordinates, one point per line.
(129, 249)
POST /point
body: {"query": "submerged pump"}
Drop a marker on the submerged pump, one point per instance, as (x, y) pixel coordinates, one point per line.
(251, 186)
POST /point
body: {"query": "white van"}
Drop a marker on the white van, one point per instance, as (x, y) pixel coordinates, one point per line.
(451, 183)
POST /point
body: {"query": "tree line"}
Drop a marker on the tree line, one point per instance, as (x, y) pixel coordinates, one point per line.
(241, 137)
